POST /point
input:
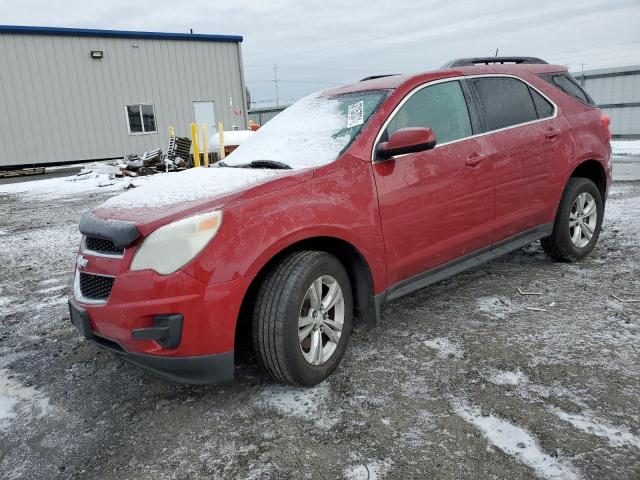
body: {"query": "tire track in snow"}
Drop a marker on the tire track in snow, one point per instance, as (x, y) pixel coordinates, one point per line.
(517, 442)
(616, 436)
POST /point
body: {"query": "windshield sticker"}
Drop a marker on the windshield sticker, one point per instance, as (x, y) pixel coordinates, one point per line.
(355, 114)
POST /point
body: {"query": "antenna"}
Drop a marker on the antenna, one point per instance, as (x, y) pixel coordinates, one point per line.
(275, 81)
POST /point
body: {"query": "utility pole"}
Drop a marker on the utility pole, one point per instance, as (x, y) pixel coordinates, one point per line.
(275, 81)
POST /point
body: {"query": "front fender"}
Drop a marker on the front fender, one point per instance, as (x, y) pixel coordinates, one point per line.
(340, 203)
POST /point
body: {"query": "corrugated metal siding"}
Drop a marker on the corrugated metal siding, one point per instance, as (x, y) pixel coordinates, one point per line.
(263, 115)
(58, 104)
(624, 121)
(621, 89)
(615, 86)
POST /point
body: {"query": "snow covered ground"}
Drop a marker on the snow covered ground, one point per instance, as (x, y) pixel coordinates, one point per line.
(460, 380)
(625, 147)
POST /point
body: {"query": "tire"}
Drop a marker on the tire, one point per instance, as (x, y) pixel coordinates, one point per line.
(562, 244)
(285, 301)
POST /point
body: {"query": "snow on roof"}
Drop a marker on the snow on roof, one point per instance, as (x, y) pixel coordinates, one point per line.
(231, 137)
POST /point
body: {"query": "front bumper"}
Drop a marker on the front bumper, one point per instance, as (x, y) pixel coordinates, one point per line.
(138, 322)
(200, 369)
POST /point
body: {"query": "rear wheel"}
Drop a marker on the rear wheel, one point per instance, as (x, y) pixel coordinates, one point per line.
(302, 318)
(578, 222)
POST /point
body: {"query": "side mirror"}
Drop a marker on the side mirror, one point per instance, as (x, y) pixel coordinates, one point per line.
(407, 140)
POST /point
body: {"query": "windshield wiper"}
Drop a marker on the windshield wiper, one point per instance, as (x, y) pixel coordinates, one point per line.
(270, 164)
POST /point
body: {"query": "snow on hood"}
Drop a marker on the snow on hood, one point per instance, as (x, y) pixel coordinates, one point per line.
(190, 185)
(308, 134)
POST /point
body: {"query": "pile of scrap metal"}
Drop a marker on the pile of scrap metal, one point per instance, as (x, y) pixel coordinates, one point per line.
(134, 165)
(176, 159)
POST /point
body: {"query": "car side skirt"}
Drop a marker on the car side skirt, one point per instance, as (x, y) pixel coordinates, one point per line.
(434, 275)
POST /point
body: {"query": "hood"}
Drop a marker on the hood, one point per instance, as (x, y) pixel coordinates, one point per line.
(170, 196)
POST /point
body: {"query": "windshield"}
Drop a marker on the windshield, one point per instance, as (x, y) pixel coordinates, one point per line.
(311, 132)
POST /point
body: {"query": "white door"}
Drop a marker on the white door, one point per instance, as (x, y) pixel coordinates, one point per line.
(204, 114)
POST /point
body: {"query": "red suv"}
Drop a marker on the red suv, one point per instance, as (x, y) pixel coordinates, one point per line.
(348, 199)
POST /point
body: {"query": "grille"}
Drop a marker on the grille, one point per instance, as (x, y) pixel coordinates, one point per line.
(95, 287)
(101, 245)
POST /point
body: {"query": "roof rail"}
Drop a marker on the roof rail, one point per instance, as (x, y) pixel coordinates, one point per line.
(373, 77)
(470, 62)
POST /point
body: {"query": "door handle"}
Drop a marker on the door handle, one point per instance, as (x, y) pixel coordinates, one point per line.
(475, 159)
(553, 133)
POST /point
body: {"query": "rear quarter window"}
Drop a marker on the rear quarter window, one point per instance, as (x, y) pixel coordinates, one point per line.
(570, 86)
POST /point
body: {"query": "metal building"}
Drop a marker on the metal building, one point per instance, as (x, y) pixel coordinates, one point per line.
(71, 95)
(617, 93)
(263, 115)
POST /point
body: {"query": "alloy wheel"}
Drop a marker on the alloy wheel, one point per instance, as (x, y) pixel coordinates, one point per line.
(583, 219)
(321, 320)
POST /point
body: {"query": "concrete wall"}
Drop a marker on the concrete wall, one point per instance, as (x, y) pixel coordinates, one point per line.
(60, 105)
(617, 93)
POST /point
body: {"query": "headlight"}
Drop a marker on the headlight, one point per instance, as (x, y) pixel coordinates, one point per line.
(173, 245)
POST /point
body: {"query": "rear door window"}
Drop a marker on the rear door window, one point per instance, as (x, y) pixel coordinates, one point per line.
(505, 101)
(441, 107)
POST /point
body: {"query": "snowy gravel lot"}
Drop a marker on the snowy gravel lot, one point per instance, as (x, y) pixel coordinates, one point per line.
(461, 380)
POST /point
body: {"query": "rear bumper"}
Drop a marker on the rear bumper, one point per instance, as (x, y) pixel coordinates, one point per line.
(197, 369)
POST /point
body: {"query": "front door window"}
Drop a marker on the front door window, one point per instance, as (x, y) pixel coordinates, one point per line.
(441, 107)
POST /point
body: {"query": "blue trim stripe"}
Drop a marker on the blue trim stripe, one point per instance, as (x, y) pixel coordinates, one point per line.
(90, 32)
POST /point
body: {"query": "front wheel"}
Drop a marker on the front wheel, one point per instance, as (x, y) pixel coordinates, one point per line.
(302, 318)
(578, 222)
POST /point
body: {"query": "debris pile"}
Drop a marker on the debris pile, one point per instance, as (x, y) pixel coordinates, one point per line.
(134, 165)
(176, 159)
(178, 153)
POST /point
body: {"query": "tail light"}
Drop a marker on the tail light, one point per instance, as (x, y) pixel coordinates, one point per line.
(606, 122)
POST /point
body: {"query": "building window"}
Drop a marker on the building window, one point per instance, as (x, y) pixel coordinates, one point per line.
(142, 119)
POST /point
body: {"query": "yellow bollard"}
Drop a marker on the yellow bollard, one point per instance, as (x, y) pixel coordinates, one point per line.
(205, 146)
(194, 141)
(221, 137)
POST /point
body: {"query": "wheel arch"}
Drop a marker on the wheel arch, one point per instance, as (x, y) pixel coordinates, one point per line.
(352, 259)
(594, 171)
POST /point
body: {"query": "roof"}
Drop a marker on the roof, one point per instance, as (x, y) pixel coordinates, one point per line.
(395, 81)
(90, 32)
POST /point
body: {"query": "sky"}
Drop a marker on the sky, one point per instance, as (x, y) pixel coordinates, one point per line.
(317, 45)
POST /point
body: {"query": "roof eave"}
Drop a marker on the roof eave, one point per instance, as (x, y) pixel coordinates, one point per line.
(90, 32)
